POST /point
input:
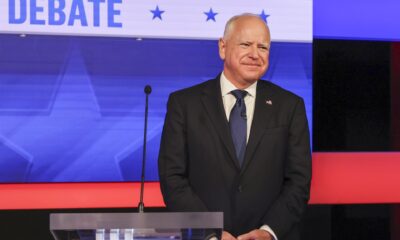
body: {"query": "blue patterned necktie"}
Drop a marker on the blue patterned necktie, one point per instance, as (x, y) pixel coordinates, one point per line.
(238, 124)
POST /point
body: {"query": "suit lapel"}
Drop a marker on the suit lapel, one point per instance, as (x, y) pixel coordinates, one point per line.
(212, 103)
(263, 111)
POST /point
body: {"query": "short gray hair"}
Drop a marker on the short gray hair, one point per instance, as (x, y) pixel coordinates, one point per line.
(230, 23)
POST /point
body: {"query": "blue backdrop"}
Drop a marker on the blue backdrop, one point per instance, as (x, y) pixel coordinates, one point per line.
(71, 108)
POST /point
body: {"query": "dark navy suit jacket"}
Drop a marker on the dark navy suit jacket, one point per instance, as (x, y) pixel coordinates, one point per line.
(199, 170)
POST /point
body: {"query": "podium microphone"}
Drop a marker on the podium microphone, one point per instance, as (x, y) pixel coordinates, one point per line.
(147, 91)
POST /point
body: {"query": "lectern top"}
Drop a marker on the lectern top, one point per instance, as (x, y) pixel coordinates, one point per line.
(73, 221)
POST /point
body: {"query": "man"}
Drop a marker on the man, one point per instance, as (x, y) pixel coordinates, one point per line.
(238, 144)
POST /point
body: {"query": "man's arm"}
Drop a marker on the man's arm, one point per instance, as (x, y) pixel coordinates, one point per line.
(292, 201)
(172, 162)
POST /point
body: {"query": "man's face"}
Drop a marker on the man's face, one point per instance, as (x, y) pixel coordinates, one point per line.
(245, 51)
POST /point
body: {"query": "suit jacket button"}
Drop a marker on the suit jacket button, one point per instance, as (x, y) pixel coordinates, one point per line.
(240, 188)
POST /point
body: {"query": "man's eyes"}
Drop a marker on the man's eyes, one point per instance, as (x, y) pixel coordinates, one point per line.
(261, 47)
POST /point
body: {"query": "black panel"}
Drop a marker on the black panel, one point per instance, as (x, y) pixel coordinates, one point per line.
(351, 95)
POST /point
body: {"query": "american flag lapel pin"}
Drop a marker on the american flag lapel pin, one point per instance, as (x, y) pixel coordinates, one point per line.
(268, 102)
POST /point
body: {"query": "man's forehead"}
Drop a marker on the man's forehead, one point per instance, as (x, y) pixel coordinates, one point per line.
(246, 21)
(248, 36)
(253, 28)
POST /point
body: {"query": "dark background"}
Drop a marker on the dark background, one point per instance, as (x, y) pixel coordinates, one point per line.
(354, 109)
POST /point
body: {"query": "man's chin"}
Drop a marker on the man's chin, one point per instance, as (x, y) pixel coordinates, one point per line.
(252, 78)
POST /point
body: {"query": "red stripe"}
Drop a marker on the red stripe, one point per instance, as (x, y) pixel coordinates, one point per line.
(78, 195)
(341, 178)
(338, 178)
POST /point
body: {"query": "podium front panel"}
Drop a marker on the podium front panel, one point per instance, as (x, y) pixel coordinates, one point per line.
(130, 226)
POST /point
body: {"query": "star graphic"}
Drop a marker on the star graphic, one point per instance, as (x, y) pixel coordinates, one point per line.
(157, 13)
(264, 16)
(210, 15)
(56, 145)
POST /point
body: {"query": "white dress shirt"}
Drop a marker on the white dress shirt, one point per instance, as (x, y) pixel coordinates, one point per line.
(229, 101)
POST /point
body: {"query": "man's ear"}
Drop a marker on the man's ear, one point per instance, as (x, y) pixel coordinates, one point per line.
(222, 48)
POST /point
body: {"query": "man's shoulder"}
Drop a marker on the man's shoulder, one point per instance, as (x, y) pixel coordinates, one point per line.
(278, 91)
(195, 90)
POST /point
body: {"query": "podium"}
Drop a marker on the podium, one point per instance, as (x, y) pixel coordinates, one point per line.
(131, 226)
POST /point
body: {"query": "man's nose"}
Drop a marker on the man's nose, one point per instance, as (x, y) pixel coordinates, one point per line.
(254, 52)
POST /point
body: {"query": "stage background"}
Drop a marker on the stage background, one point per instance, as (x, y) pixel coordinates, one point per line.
(72, 76)
(356, 111)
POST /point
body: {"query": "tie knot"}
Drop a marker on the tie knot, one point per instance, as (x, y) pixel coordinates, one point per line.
(239, 94)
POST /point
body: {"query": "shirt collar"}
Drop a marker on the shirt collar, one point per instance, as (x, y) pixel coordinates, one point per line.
(227, 87)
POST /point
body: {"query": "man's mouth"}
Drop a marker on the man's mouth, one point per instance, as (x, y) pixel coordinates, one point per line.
(252, 64)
